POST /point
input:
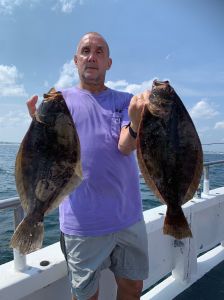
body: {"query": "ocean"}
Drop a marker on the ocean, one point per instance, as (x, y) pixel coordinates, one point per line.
(8, 190)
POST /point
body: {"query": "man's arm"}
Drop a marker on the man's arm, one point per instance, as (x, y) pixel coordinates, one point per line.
(127, 143)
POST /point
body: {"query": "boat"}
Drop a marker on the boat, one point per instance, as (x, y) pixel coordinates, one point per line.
(174, 265)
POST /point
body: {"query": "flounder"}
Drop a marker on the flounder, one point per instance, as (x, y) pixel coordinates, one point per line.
(170, 155)
(47, 168)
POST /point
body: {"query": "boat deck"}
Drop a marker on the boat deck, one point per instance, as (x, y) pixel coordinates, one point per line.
(210, 286)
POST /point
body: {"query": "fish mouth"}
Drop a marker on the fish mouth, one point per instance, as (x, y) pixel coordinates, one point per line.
(162, 86)
(159, 83)
(52, 95)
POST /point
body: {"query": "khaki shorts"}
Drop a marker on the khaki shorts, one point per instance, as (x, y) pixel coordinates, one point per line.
(125, 252)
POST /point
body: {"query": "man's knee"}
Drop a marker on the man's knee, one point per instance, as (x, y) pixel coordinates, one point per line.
(129, 288)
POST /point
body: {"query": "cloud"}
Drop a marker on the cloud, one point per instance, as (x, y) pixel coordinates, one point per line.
(203, 129)
(169, 56)
(68, 75)
(133, 88)
(203, 109)
(219, 125)
(7, 6)
(14, 118)
(9, 86)
(66, 6)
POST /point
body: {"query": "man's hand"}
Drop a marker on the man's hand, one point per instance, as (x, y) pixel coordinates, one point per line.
(136, 106)
(126, 142)
(31, 104)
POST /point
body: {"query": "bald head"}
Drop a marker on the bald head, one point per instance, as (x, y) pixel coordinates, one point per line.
(95, 34)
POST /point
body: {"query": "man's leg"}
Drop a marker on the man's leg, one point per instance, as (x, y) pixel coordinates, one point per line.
(130, 261)
(94, 297)
(85, 257)
(128, 289)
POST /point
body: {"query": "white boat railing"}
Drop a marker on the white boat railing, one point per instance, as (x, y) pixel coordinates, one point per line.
(19, 259)
(206, 166)
(178, 257)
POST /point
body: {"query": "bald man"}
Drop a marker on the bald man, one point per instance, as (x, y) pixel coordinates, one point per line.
(102, 221)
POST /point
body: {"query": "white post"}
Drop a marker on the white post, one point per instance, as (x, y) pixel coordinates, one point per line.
(185, 258)
(19, 259)
(206, 180)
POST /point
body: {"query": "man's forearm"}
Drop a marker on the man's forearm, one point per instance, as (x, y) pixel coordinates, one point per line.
(127, 140)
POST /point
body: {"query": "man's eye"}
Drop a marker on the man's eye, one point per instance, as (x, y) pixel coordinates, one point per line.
(85, 50)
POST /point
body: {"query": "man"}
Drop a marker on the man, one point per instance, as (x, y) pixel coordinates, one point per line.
(101, 221)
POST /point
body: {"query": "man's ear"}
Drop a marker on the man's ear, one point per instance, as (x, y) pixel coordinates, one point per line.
(109, 63)
(75, 59)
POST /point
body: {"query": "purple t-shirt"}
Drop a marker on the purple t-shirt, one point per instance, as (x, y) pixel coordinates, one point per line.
(108, 199)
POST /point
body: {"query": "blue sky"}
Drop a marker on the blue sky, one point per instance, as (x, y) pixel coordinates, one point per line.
(178, 40)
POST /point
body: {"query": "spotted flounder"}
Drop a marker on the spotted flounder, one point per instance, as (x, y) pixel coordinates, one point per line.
(170, 155)
(47, 168)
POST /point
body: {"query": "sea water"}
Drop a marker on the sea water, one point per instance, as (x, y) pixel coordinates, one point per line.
(7, 190)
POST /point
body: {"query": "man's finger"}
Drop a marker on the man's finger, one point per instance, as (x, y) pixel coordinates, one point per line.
(146, 94)
(31, 104)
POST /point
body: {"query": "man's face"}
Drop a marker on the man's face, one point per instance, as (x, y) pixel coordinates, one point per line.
(92, 59)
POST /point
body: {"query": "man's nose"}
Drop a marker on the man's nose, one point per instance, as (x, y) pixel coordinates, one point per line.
(92, 57)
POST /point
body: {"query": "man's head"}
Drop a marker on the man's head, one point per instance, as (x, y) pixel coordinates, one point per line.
(92, 59)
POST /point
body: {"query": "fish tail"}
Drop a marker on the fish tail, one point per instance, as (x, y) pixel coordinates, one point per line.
(28, 236)
(176, 224)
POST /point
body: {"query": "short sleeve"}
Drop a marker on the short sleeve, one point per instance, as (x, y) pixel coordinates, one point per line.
(125, 120)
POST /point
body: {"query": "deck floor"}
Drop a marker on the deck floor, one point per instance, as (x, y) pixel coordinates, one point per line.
(209, 287)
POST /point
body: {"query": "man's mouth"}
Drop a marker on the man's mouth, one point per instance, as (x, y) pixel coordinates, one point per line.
(92, 68)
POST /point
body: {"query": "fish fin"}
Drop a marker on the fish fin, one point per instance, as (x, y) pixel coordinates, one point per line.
(146, 174)
(176, 224)
(196, 178)
(78, 170)
(20, 179)
(28, 236)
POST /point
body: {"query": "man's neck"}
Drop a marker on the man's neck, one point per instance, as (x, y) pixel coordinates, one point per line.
(92, 88)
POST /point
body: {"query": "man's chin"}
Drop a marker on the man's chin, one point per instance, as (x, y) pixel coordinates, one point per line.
(91, 79)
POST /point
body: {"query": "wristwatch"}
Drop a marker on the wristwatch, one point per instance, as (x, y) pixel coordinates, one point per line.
(131, 131)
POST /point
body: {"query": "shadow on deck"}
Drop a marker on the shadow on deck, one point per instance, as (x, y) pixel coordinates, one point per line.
(210, 286)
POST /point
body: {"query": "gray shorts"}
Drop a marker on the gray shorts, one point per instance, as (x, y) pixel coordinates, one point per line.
(125, 252)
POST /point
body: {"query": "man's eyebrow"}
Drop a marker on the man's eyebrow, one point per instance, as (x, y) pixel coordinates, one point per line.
(101, 47)
(84, 46)
(97, 46)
